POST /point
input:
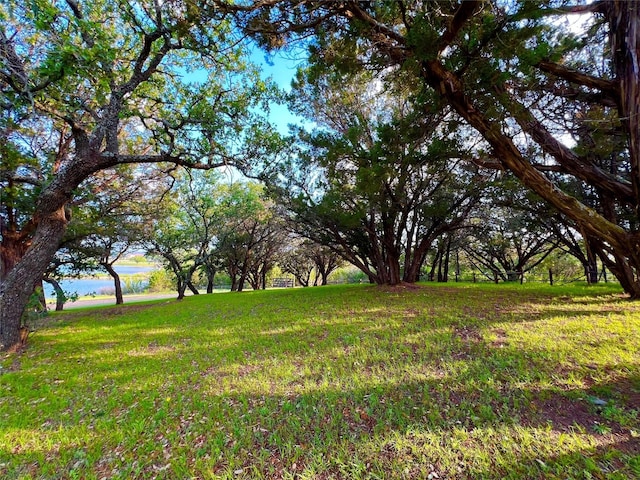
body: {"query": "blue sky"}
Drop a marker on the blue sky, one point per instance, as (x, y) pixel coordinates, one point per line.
(282, 69)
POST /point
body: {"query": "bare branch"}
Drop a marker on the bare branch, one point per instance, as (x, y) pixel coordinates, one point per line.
(20, 179)
(111, 160)
(609, 88)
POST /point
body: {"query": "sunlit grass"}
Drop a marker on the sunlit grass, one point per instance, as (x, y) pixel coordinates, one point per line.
(454, 381)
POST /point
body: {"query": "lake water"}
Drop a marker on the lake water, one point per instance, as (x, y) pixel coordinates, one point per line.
(96, 286)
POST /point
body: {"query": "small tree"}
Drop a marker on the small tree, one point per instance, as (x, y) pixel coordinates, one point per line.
(250, 235)
(184, 226)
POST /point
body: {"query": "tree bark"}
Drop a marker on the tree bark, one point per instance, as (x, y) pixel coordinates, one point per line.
(447, 258)
(12, 248)
(182, 286)
(192, 287)
(210, 279)
(243, 276)
(624, 38)
(19, 283)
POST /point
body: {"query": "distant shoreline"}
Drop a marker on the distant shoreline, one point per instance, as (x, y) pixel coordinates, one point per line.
(104, 300)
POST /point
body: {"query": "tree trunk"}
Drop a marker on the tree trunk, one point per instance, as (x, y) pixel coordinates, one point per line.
(412, 268)
(192, 287)
(591, 266)
(393, 270)
(42, 298)
(241, 281)
(116, 282)
(624, 38)
(18, 285)
(624, 246)
(182, 286)
(243, 275)
(61, 298)
(441, 260)
(591, 272)
(211, 274)
(447, 257)
(432, 270)
(12, 248)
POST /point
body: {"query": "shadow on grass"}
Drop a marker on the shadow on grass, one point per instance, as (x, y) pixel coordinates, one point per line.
(386, 387)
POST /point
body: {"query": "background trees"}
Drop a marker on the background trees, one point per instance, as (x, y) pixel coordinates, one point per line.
(251, 235)
(303, 256)
(204, 223)
(182, 228)
(508, 235)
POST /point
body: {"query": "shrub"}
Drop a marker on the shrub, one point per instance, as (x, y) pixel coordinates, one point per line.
(134, 285)
(160, 281)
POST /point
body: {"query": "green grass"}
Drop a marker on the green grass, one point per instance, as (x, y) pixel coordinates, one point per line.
(452, 381)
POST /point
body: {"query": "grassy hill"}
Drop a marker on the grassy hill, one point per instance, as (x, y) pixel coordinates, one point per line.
(435, 381)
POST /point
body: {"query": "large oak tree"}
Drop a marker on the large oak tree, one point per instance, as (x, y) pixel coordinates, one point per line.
(120, 83)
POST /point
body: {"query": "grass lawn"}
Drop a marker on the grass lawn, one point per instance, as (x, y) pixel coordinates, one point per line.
(436, 381)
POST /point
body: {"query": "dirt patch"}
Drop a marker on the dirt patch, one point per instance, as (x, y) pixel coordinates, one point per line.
(501, 338)
(245, 370)
(565, 414)
(401, 287)
(629, 390)
(468, 334)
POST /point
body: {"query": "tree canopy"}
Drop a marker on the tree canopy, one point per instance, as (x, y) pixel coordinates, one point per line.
(378, 180)
(532, 89)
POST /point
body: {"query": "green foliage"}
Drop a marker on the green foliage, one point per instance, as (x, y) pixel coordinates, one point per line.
(160, 281)
(34, 309)
(471, 382)
(133, 284)
(138, 259)
(349, 274)
(378, 179)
